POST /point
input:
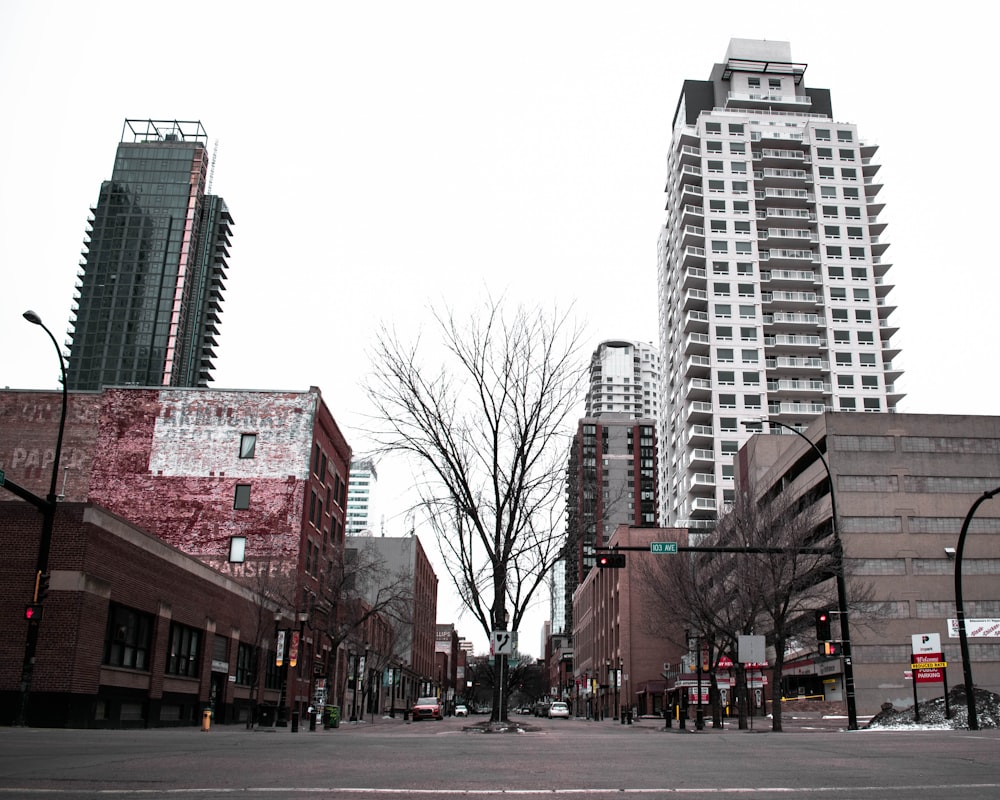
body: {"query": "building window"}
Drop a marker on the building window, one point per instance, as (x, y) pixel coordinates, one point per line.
(822, 134)
(844, 359)
(845, 381)
(736, 129)
(241, 499)
(738, 148)
(824, 153)
(248, 445)
(846, 154)
(839, 314)
(866, 359)
(182, 655)
(723, 311)
(830, 212)
(842, 337)
(713, 127)
(720, 289)
(713, 147)
(246, 658)
(720, 246)
(727, 401)
(827, 173)
(718, 226)
(751, 379)
(717, 206)
(845, 136)
(740, 187)
(741, 206)
(715, 166)
(127, 638)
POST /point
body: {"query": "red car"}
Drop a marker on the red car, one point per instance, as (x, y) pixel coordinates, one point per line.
(427, 708)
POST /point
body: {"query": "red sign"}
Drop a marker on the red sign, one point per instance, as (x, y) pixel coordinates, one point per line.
(933, 674)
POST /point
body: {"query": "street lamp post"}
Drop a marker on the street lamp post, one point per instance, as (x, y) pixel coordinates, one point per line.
(963, 637)
(838, 554)
(45, 543)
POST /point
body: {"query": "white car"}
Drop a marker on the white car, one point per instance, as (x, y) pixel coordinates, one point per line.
(558, 709)
(461, 711)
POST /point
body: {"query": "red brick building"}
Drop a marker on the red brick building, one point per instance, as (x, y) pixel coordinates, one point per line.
(211, 473)
(134, 633)
(608, 634)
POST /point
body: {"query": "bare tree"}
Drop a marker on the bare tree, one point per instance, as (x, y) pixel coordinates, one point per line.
(488, 427)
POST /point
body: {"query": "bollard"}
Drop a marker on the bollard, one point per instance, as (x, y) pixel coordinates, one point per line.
(295, 721)
(206, 719)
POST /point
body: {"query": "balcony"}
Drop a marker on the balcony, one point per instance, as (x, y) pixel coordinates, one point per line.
(770, 176)
(788, 216)
(706, 479)
(769, 101)
(693, 278)
(704, 504)
(697, 366)
(776, 276)
(791, 299)
(784, 197)
(796, 363)
(698, 434)
(777, 255)
(797, 386)
(695, 321)
(699, 343)
(769, 156)
(796, 409)
(791, 318)
(701, 458)
(699, 386)
(692, 215)
(790, 235)
(792, 341)
(698, 411)
(692, 234)
(696, 299)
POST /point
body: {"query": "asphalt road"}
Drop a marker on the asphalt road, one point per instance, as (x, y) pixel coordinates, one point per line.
(574, 759)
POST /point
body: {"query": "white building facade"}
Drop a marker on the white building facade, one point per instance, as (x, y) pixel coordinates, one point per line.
(360, 488)
(772, 275)
(624, 379)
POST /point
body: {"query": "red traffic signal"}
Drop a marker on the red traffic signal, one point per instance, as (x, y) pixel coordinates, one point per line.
(611, 560)
(823, 632)
(33, 612)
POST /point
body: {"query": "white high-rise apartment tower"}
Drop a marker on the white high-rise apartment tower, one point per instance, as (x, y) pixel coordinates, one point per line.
(771, 272)
(624, 379)
(360, 486)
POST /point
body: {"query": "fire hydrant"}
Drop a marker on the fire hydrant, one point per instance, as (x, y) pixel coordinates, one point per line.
(206, 719)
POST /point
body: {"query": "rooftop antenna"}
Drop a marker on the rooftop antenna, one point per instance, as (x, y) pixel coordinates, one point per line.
(211, 167)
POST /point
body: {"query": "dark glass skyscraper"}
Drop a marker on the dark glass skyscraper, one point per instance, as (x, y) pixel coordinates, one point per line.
(152, 274)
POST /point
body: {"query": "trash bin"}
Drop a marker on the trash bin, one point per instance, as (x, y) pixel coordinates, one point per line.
(265, 716)
(206, 719)
(331, 717)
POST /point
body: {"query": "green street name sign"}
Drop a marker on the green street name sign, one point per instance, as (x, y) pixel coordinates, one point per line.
(663, 547)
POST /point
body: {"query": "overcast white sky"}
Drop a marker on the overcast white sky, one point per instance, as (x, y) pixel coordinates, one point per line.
(381, 156)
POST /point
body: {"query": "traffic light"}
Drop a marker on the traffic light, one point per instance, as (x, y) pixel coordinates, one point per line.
(830, 648)
(33, 612)
(823, 633)
(41, 586)
(611, 560)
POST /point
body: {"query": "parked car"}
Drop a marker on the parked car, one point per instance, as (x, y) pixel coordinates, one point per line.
(427, 708)
(461, 711)
(558, 709)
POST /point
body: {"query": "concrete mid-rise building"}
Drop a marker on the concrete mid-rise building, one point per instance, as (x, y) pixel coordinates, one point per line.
(152, 274)
(772, 274)
(902, 486)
